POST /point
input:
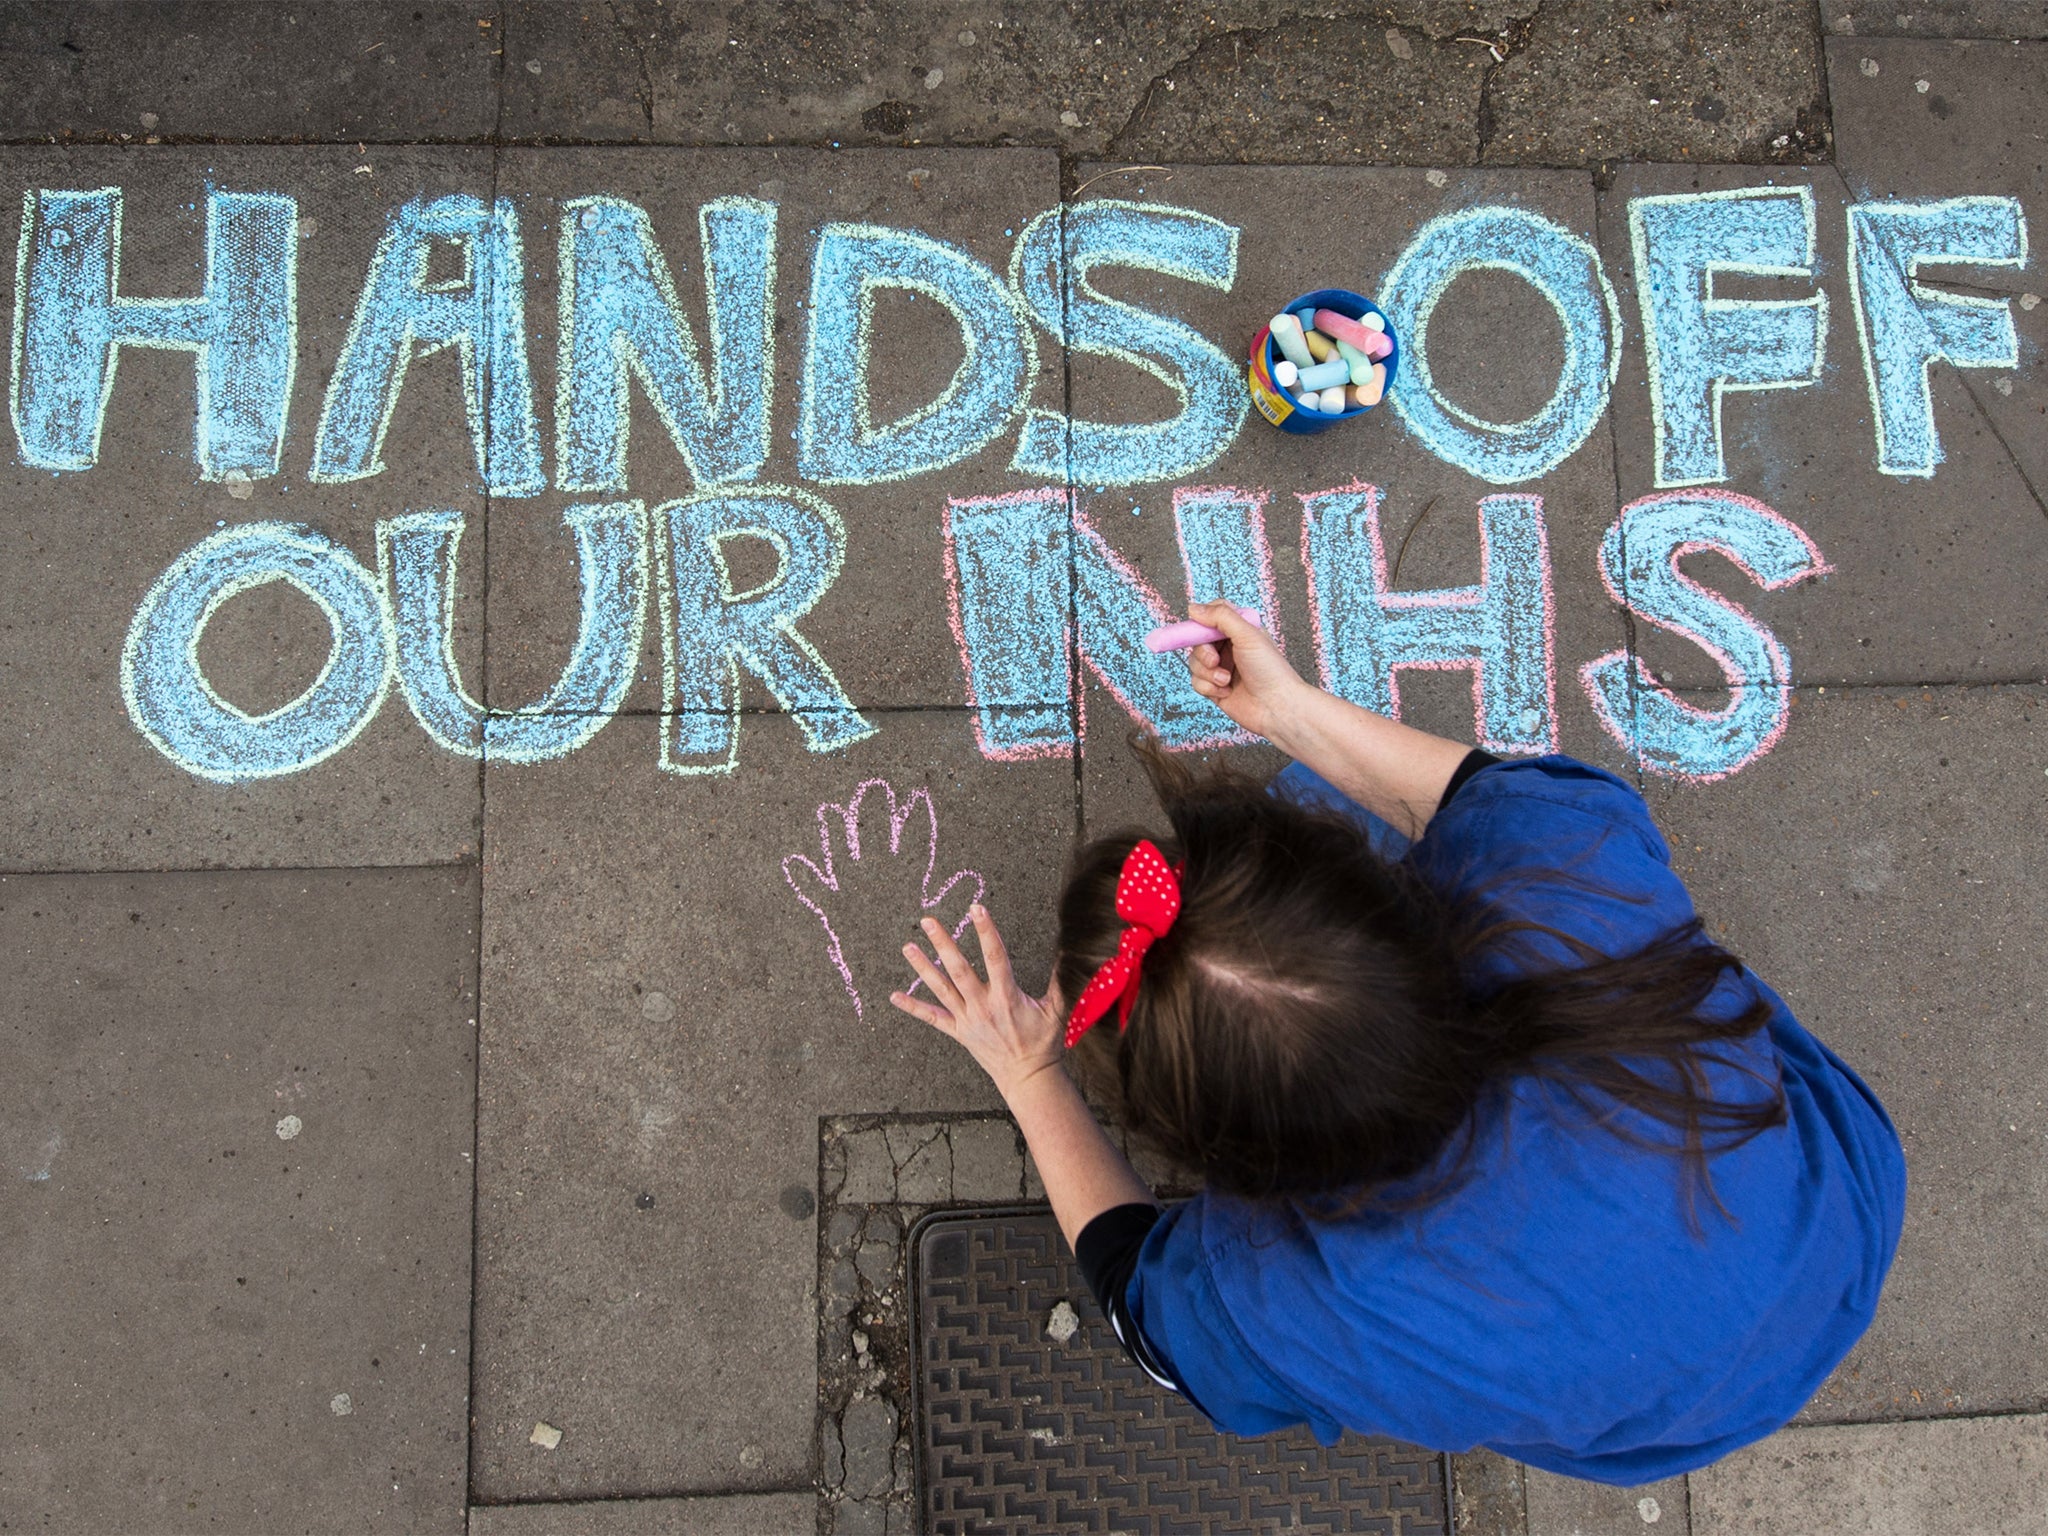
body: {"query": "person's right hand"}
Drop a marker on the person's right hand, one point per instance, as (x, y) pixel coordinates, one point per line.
(1246, 676)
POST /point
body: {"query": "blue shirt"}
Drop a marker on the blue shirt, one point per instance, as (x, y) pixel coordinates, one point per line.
(1557, 1307)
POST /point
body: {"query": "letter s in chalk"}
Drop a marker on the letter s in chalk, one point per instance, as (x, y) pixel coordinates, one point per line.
(1639, 557)
(1177, 242)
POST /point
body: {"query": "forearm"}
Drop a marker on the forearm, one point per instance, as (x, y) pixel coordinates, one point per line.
(1393, 770)
(1083, 1172)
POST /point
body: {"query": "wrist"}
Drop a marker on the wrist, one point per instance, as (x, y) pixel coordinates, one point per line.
(1029, 1080)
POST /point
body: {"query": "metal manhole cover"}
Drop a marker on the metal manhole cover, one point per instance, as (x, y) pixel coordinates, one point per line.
(1017, 1433)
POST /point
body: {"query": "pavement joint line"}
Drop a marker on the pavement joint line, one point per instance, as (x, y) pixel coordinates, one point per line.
(130, 873)
(1977, 403)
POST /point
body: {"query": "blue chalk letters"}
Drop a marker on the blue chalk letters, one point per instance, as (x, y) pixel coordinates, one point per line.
(1567, 272)
(176, 708)
(1701, 346)
(620, 318)
(838, 441)
(1501, 629)
(481, 313)
(1905, 327)
(1639, 563)
(70, 321)
(1177, 242)
(712, 630)
(418, 555)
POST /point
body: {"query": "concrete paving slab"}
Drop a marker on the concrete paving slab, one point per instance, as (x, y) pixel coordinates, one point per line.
(881, 627)
(1937, 18)
(235, 1118)
(663, 1030)
(734, 1514)
(1880, 1480)
(1492, 347)
(1878, 870)
(1566, 1506)
(406, 72)
(1928, 119)
(1726, 80)
(81, 548)
(1932, 579)
(1138, 80)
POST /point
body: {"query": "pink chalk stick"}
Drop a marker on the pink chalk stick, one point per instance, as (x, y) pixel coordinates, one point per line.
(1372, 343)
(1186, 633)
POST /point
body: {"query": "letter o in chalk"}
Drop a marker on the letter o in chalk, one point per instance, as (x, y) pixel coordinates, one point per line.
(173, 704)
(1557, 264)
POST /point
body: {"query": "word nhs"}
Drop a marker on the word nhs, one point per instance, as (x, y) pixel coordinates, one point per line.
(620, 321)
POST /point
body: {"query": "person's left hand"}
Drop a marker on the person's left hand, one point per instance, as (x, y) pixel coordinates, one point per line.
(1011, 1035)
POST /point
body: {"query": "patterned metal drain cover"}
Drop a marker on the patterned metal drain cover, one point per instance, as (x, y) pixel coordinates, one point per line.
(1017, 1433)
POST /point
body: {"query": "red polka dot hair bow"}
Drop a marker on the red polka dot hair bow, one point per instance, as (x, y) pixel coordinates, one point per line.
(1148, 900)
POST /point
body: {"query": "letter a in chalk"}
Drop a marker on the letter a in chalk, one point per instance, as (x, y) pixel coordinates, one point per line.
(1905, 327)
(621, 319)
(70, 323)
(418, 556)
(838, 441)
(1502, 629)
(403, 314)
(714, 631)
(1639, 557)
(1700, 346)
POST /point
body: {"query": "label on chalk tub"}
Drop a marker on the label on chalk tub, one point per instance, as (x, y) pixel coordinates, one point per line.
(1273, 405)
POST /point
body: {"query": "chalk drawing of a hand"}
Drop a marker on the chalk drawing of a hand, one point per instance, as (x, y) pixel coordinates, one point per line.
(874, 880)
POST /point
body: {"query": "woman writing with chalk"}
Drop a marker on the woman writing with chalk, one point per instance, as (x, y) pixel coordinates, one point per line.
(1497, 1147)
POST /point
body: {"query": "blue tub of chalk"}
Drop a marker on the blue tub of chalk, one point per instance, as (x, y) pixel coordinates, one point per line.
(1279, 382)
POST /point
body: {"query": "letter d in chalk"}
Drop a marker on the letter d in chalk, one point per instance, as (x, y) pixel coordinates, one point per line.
(838, 443)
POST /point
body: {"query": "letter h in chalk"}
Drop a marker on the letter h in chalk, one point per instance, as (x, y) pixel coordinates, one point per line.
(1502, 628)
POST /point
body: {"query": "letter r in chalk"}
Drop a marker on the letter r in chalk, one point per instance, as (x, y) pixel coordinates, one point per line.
(1502, 628)
(713, 631)
(70, 323)
(1701, 346)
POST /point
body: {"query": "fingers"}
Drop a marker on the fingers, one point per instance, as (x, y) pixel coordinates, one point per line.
(918, 1008)
(958, 967)
(994, 953)
(942, 986)
(1226, 618)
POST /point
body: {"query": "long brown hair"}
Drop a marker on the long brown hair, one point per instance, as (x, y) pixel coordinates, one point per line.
(1313, 1027)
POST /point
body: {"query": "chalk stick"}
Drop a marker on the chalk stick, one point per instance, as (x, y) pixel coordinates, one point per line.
(1186, 633)
(1372, 321)
(1323, 375)
(1374, 387)
(1287, 337)
(1373, 344)
(1309, 400)
(1285, 373)
(1319, 345)
(1359, 364)
(1333, 399)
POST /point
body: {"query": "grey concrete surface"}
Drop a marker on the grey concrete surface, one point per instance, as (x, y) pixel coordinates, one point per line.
(1878, 869)
(1591, 82)
(235, 1122)
(79, 549)
(1489, 1495)
(734, 1514)
(1979, 1475)
(1901, 550)
(1566, 1506)
(662, 1031)
(1937, 18)
(884, 635)
(245, 71)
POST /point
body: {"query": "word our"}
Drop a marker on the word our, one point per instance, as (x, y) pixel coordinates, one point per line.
(621, 321)
(1033, 588)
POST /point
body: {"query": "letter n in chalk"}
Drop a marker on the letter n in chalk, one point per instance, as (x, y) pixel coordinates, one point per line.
(1020, 565)
(1502, 628)
(712, 631)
